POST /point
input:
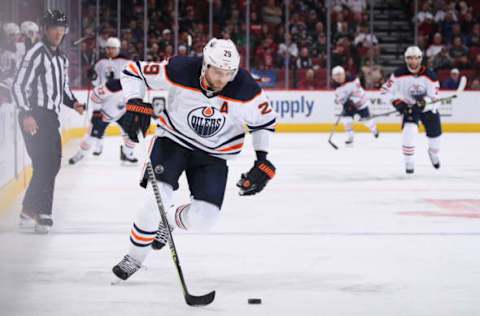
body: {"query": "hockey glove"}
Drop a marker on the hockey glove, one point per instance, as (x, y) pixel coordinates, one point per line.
(399, 105)
(256, 178)
(137, 118)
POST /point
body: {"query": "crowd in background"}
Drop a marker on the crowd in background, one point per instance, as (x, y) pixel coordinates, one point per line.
(302, 48)
(449, 34)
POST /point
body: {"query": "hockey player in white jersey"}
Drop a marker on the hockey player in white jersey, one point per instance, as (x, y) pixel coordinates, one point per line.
(210, 100)
(109, 67)
(350, 94)
(410, 89)
(110, 102)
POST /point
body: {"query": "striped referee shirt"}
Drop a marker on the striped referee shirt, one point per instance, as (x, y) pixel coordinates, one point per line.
(42, 80)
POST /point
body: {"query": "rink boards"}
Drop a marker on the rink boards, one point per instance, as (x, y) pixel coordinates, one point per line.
(298, 111)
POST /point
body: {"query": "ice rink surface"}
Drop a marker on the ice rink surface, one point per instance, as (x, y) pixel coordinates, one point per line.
(335, 233)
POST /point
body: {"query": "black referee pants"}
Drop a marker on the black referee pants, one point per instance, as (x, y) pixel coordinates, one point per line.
(45, 150)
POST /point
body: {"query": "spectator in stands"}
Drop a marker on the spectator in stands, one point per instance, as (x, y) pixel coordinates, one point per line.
(309, 82)
(459, 53)
(166, 39)
(425, 13)
(339, 56)
(451, 83)
(473, 38)
(456, 32)
(182, 50)
(475, 85)
(441, 13)
(476, 65)
(304, 60)
(102, 38)
(372, 75)
(357, 7)
(319, 47)
(365, 39)
(271, 13)
(287, 47)
(436, 46)
(447, 25)
(443, 60)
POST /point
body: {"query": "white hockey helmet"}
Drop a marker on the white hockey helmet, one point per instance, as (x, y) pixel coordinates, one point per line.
(413, 51)
(11, 28)
(222, 54)
(113, 42)
(337, 70)
(29, 28)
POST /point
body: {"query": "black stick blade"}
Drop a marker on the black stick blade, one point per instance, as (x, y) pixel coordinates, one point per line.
(333, 145)
(200, 300)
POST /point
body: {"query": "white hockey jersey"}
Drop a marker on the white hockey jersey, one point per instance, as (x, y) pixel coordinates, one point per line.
(108, 99)
(213, 124)
(408, 87)
(109, 68)
(352, 90)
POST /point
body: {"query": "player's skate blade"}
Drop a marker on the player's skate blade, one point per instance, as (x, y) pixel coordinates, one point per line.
(78, 156)
(434, 160)
(43, 223)
(127, 158)
(26, 220)
(125, 268)
(98, 150)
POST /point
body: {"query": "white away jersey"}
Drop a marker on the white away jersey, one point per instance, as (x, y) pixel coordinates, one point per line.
(410, 87)
(351, 90)
(108, 99)
(215, 124)
(109, 68)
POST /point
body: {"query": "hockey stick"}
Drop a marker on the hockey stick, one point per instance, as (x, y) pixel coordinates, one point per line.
(334, 130)
(461, 86)
(383, 114)
(191, 300)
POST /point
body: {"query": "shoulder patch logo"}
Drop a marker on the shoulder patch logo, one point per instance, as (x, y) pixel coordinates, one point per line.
(206, 121)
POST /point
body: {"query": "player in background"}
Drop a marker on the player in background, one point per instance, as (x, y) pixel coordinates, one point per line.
(31, 33)
(211, 100)
(109, 67)
(108, 98)
(9, 55)
(350, 94)
(409, 89)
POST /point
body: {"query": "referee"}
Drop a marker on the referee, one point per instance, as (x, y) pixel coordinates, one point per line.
(39, 88)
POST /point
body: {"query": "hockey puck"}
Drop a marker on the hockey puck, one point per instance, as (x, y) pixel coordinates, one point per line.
(254, 301)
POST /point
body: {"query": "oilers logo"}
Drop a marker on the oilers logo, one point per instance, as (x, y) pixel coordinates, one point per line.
(417, 92)
(206, 121)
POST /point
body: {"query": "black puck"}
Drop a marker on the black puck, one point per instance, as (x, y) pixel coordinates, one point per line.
(254, 301)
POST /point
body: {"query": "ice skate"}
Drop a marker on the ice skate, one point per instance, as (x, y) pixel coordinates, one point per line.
(97, 151)
(126, 156)
(27, 219)
(78, 156)
(434, 159)
(409, 168)
(43, 223)
(125, 268)
(349, 141)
